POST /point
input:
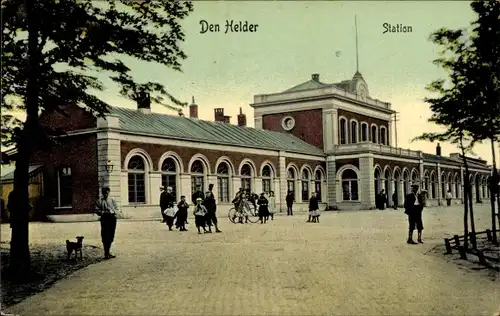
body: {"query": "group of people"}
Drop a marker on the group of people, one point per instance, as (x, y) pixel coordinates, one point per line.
(265, 204)
(205, 208)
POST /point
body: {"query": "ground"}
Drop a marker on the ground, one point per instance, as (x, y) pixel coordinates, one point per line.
(352, 263)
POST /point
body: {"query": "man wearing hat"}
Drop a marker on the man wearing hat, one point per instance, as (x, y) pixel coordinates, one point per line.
(167, 202)
(211, 205)
(414, 205)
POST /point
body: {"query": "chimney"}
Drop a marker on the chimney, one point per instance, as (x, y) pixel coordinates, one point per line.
(438, 150)
(227, 119)
(193, 110)
(242, 119)
(315, 77)
(144, 102)
(219, 115)
(181, 114)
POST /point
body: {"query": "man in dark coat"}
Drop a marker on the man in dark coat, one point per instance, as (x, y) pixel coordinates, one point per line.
(395, 200)
(263, 208)
(167, 206)
(163, 203)
(211, 206)
(197, 194)
(382, 200)
(107, 209)
(289, 203)
(414, 205)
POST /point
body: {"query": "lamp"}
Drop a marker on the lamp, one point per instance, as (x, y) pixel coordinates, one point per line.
(109, 167)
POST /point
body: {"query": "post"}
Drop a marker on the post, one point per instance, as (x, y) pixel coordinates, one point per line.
(448, 246)
(463, 254)
(488, 235)
(457, 240)
(472, 238)
(481, 258)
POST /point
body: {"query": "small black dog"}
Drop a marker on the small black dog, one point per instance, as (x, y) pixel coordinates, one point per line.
(76, 247)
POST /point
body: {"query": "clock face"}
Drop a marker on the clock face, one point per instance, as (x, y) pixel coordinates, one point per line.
(362, 92)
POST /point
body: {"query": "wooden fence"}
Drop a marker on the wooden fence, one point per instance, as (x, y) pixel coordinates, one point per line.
(456, 243)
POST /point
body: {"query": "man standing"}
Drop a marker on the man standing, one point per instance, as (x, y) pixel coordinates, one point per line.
(289, 203)
(395, 200)
(107, 209)
(414, 206)
(197, 194)
(211, 205)
(167, 206)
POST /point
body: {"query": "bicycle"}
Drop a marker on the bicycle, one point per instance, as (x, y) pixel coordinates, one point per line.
(234, 215)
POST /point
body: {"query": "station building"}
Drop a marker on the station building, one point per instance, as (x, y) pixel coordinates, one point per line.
(332, 139)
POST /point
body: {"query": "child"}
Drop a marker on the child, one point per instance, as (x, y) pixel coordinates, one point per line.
(182, 213)
(199, 215)
(272, 205)
(170, 214)
(313, 209)
(263, 208)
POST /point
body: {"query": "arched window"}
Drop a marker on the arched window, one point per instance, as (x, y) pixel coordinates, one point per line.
(383, 135)
(197, 176)
(414, 178)
(169, 175)
(136, 180)
(377, 178)
(364, 132)
(433, 186)
(374, 134)
(246, 178)
(349, 185)
(443, 186)
(354, 132)
(342, 131)
(266, 179)
(305, 185)
(318, 181)
(223, 181)
(426, 181)
(290, 180)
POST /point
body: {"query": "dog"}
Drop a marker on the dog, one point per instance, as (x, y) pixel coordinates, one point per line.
(76, 247)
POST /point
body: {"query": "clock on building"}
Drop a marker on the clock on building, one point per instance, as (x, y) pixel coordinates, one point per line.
(362, 92)
(288, 123)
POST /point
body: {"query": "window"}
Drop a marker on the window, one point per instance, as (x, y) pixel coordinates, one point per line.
(364, 132)
(349, 185)
(374, 134)
(383, 135)
(290, 180)
(266, 179)
(197, 176)
(305, 185)
(317, 183)
(342, 131)
(354, 132)
(169, 175)
(223, 182)
(246, 178)
(136, 180)
(64, 187)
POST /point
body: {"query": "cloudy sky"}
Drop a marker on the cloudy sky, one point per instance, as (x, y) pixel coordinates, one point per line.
(295, 39)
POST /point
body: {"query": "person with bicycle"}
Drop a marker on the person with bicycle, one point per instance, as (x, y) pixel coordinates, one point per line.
(241, 205)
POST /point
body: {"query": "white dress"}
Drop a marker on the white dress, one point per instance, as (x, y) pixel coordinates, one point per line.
(272, 205)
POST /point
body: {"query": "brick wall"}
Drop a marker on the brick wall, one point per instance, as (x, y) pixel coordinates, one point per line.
(308, 125)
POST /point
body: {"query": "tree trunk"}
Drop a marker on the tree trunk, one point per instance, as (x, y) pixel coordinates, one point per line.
(466, 216)
(494, 193)
(468, 197)
(19, 247)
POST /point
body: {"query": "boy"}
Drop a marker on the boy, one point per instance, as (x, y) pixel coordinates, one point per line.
(263, 208)
(199, 215)
(182, 213)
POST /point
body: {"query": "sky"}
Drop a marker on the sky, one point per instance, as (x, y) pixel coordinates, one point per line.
(297, 38)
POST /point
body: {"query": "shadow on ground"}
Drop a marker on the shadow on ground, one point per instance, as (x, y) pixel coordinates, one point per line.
(49, 264)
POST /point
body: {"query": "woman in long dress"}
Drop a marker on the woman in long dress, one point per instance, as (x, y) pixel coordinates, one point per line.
(272, 205)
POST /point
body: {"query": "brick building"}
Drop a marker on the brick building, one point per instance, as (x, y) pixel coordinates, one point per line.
(333, 139)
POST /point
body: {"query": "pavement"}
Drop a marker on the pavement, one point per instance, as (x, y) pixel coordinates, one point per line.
(352, 263)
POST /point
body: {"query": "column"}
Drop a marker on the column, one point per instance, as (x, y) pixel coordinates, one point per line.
(236, 181)
(258, 185)
(367, 185)
(258, 122)
(282, 183)
(109, 155)
(401, 197)
(154, 188)
(335, 120)
(462, 185)
(277, 196)
(185, 186)
(331, 183)
(439, 186)
(328, 131)
(389, 132)
(421, 174)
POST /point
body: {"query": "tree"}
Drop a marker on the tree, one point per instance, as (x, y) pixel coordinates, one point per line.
(473, 63)
(50, 50)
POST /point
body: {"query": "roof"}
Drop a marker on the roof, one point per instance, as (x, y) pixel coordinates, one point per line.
(197, 130)
(451, 161)
(9, 177)
(309, 85)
